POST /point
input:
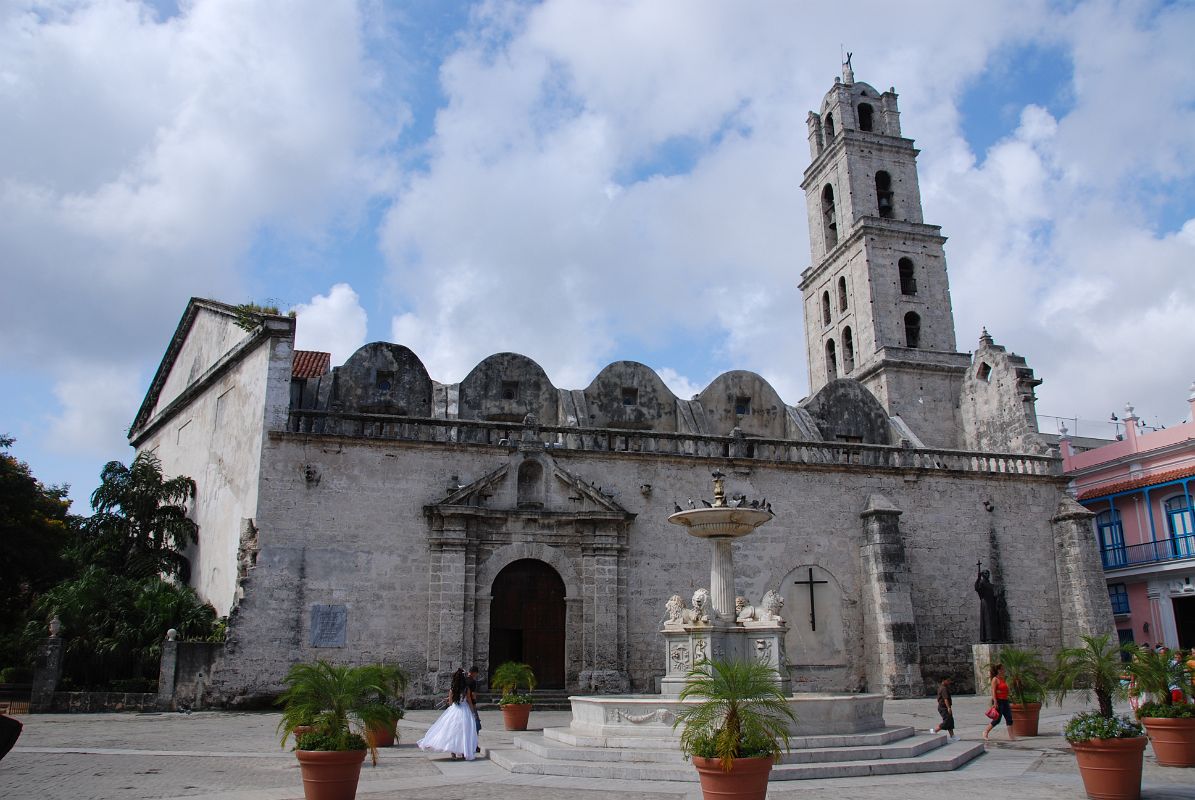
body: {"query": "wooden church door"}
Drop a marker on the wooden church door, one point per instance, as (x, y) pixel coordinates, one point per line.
(527, 620)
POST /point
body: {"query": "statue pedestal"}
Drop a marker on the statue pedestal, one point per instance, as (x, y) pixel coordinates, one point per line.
(688, 644)
(982, 656)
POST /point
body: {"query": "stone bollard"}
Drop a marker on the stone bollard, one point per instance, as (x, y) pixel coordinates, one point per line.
(167, 670)
(47, 670)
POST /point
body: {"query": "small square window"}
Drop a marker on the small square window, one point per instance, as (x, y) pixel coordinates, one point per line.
(630, 396)
(510, 390)
(384, 380)
(742, 405)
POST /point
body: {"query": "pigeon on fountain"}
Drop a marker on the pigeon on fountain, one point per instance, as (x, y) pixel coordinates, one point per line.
(707, 503)
(678, 508)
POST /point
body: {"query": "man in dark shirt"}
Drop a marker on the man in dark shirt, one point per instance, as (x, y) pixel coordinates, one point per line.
(471, 689)
(945, 711)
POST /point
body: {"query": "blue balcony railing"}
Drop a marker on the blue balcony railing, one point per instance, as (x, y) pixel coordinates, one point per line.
(1149, 552)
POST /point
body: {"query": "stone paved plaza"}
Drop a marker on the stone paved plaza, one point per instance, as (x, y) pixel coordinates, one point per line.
(235, 756)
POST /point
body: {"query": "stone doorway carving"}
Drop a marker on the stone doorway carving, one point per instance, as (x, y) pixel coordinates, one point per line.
(527, 620)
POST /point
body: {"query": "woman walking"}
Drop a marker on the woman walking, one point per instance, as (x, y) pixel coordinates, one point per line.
(999, 688)
(455, 732)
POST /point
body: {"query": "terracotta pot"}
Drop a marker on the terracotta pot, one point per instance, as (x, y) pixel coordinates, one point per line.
(747, 779)
(1111, 768)
(1173, 740)
(1024, 718)
(380, 735)
(330, 775)
(514, 716)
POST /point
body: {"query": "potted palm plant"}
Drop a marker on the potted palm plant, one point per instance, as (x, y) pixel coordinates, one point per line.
(508, 679)
(384, 735)
(1026, 674)
(1109, 749)
(338, 703)
(737, 729)
(1167, 713)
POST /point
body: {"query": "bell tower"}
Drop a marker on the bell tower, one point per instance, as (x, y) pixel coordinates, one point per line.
(877, 299)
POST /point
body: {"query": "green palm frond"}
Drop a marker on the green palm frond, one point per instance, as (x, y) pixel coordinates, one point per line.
(741, 703)
(1026, 674)
(335, 699)
(1094, 667)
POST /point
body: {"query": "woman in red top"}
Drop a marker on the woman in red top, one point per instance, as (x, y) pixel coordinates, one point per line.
(1000, 701)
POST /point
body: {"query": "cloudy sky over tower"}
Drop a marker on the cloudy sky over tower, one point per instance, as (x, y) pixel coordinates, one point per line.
(580, 182)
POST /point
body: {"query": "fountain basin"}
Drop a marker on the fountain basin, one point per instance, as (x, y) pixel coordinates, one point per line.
(651, 716)
(722, 523)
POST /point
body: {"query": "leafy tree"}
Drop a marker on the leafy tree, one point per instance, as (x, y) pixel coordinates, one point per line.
(114, 623)
(36, 531)
(140, 524)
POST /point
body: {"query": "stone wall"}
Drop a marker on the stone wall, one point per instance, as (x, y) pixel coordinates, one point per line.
(998, 405)
(213, 433)
(358, 540)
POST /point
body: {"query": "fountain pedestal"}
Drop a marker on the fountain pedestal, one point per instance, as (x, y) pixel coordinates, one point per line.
(689, 644)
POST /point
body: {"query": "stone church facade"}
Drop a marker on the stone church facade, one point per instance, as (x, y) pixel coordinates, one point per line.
(367, 512)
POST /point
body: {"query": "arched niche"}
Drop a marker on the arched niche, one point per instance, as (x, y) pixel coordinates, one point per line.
(530, 484)
(627, 394)
(383, 378)
(506, 387)
(814, 611)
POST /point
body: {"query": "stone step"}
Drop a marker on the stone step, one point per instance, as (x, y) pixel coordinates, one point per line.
(909, 746)
(874, 738)
(941, 756)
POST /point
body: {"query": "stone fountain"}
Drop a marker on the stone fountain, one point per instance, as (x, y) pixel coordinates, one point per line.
(720, 625)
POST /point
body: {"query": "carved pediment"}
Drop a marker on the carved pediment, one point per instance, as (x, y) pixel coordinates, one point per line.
(530, 484)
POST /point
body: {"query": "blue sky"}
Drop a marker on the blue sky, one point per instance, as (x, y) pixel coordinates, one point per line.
(581, 182)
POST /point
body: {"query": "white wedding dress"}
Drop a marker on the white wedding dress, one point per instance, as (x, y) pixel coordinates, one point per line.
(454, 732)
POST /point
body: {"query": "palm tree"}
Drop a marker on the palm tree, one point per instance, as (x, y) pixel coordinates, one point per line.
(1096, 666)
(743, 712)
(334, 699)
(140, 524)
(1026, 674)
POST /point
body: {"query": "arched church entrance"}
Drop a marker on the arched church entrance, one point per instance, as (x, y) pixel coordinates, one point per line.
(527, 620)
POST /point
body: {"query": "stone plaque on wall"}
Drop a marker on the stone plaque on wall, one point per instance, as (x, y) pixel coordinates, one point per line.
(329, 624)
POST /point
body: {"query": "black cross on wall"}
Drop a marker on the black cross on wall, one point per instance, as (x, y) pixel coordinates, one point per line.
(810, 583)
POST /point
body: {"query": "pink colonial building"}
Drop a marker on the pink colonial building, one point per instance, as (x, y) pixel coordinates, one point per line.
(1140, 490)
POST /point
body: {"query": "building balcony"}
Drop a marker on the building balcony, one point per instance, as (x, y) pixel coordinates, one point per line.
(1162, 550)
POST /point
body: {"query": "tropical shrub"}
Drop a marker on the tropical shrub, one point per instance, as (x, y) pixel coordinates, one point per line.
(742, 712)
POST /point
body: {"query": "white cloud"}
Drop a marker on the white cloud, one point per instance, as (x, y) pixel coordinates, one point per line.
(680, 385)
(143, 158)
(97, 404)
(334, 322)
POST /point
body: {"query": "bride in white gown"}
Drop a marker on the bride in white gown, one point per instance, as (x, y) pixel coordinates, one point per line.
(454, 732)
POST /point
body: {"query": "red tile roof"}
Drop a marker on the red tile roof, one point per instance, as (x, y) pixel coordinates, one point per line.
(1138, 483)
(310, 364)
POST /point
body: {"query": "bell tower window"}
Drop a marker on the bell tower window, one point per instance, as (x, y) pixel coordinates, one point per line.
(842, 293)
(831, 361)
(912, 329)
(908, 281)
(829, 128)
(828, 219)
(825, 308)
(884, 195)
(848, 351)
(865, 117)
